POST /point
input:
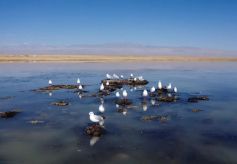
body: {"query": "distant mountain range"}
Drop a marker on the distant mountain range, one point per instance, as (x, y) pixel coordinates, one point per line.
(112, 49)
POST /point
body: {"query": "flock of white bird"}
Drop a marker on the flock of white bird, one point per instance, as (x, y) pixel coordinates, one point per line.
(99, 119)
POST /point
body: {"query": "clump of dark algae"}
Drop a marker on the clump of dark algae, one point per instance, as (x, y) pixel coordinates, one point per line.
(196, 110)
(9, 114)
(56, 87)
(60, 103)
(195, 99)
(161, 118)
(121, 82)
(123, 102)
(95, 130)
(167, 98)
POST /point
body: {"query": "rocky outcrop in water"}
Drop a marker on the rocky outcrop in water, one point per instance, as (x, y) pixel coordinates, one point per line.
(195, 99)
(56, 87)
(9, 114)
(94, 130)
(60, 103)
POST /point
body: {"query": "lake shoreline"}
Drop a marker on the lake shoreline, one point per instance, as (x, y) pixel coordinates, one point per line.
(110, 58)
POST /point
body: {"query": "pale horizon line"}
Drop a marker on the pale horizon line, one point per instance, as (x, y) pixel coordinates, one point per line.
(111, 49)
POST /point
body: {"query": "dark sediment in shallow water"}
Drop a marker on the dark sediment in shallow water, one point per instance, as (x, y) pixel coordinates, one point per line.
(167, 98)
(120, 82)
(161, 118)
(56, 87)
(60, 103)
(195, 99)
(123, 102)
(9, 114)
(196, 110)
(94, 130)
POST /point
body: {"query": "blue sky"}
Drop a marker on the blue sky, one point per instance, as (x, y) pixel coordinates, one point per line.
(210, 24)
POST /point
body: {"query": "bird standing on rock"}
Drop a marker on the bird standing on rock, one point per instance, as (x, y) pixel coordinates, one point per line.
(50, 82)
(80, 87)
(169, 86)
(102, 87)
(175, 90)
(153, 89)
(107, 83)
(117, 94)
(159, 85)
(96, 118)
(115, 76)
(108, 76)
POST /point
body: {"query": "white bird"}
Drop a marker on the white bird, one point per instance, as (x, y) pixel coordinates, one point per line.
(102, 87)
(109, 76)
(169, 86)
(175, 90)
(153, 89)
(117, 105)
(159, 85)
(117, 94)
(101, 108)
(144, 93)
(80, 87)
(125, 94)
(121, 76)
(96, 118)
(50, 94)
(140, 78)
(50, 82)
(78, 81)
(115, 76)
(131, 75)
(107, 83)
(135, 79)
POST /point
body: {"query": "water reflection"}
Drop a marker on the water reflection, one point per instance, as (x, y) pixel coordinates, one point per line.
(93, 140)
(144, 107)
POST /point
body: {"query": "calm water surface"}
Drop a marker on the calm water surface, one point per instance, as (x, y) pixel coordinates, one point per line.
(209, 136)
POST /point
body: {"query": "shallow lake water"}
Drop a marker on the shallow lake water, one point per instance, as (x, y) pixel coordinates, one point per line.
(208, 136)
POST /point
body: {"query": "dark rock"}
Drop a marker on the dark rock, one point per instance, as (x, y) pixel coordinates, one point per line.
(195, 99)
(196, 110)
(121, 82)
(8, 114)
(152, 95)
(103, 93)
(121, 110)
(167, 99)
(56, 87)
(61, 103)
(123, 102)
(94, 130)
(162, 90)
(6, 97)
(35, 122)
(161, 118)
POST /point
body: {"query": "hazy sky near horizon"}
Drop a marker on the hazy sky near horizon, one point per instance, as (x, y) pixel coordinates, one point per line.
(175, 23)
